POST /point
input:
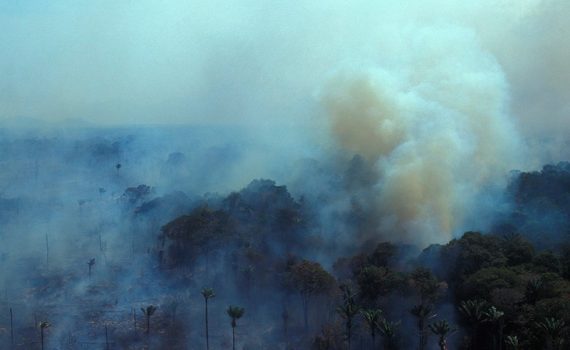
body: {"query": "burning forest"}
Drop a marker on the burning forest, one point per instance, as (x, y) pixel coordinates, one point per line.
(340, 176)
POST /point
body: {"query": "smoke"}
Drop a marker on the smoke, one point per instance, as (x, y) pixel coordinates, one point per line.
(436, 96)
(433, 121)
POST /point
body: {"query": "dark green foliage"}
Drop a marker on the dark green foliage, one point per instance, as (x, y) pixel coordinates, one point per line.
(553, 330)
(389, 331)
(533, 291)
(374, 282)
(547, 261)
(309, 279)
(235, 313)
(483, 282)
(426, 285)
(473, 312)
(372, 319)
(383, 254)
(471, 253)
(348, 310)
(442, 329)
(423, 313)
(197, 233)
(517, 249)
(512, 342)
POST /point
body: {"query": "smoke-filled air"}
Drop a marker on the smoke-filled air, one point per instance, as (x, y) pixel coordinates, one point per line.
(286, 175)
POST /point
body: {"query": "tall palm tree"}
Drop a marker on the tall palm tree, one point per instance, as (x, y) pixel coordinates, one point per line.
(512, 342)
(348, 310)
(43, 325)
(207, 293)
(148, 312)
(553, 329)
(473, 312)
(388, 330)
(423, 312)
(235, 313)
(495, 316)
(442, 329)
(90, 263)
(372, 318)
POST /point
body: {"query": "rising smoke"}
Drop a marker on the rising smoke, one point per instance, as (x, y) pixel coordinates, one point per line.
(436, 96)
(386, 120)
(434, 123)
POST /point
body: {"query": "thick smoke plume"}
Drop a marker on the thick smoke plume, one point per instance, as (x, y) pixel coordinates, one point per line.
(434, 95)
(432, 121)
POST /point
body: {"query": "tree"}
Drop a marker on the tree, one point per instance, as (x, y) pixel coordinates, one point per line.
(309, 279)
(195, 234)
(148, 312)
(426, 284)
(517, 249)
(90, 263)
(422, 313)
(553, 329)
(428, 288)
(235, 313)
(43, 325)
(442, 329)
(348, 310)
(207, 293)
(473, 313)
(495, 317)
(383, 254)
(372, 318)
(512, 342)
(389, 330)
(375, 281)
(533, 290)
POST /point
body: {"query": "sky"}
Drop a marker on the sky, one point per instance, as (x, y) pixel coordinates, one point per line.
(256, 62)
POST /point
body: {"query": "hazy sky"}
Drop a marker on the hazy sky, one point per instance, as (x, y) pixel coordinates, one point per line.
(253, 61)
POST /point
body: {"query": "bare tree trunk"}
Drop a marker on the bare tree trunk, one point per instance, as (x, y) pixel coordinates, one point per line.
(106, 338)
(134, 321)
(11, 327)
(442, 343)
(47, 251)
(306, 312)
(207, 333)
(234, 338)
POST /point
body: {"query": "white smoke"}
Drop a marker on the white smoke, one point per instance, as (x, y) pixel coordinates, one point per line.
(433, 117)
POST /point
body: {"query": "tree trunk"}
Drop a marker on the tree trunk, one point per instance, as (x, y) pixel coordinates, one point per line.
(349, 334)
(500, 347)
(147, 324)
(42, 337)
(207, 334)
(442, 343)
(106, 338)
(234, 338)
(421, 326)
(11, 327)
(306, 312)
